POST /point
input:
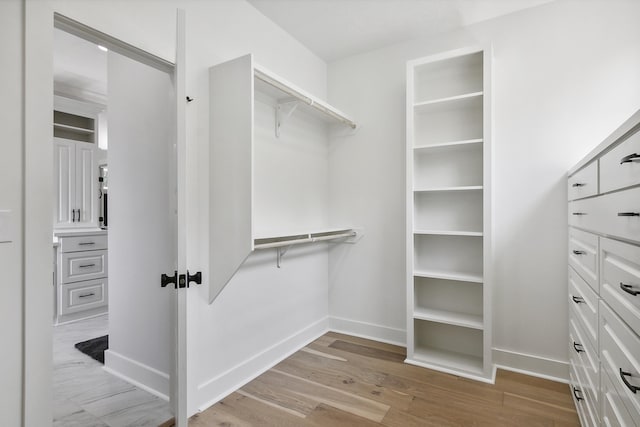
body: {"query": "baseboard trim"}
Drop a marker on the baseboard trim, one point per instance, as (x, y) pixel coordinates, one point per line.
(528, 364)
(368, 330)
(138, 374)
(215, 389)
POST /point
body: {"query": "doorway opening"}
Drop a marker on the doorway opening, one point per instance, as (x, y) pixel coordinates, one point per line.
(114, 223)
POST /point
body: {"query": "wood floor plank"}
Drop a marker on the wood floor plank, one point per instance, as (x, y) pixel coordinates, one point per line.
(273, 390)
(551, 392)
(325, 415)
(368, 351)
(370, 343)
(536, 407)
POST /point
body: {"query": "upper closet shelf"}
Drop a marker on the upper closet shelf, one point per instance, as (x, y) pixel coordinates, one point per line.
(289, 98)
(467, 100)
(446, 145)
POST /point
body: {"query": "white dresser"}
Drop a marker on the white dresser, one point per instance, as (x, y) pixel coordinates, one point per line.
(81, 275)
(604, 280)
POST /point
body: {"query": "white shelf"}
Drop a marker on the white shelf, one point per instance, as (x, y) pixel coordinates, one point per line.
(75, 129)
(450, 144)
(431, 357)
(448, 317)
(448, 275)
(446, 189)
(448, 233)
(467, 100)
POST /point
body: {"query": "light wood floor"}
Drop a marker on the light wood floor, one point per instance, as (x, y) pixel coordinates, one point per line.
(340, 380)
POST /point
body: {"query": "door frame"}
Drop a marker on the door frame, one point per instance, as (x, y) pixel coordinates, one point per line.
(40, 20)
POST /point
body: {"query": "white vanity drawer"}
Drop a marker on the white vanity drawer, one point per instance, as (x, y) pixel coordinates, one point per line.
(583, 354)
(83, 243)
(620, 358)
(583, 255)
(614, 413)
(584, 304)
(620, 284)
(582, 214)
(583, 183)
(75, 297)
(77, 266)
(620, 167)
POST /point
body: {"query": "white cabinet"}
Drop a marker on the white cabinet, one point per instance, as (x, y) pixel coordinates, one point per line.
(82, 275)
(604, 281)
(449, 213)
(75, 184)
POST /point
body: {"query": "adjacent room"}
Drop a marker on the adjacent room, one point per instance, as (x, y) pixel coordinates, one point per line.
(321, 212)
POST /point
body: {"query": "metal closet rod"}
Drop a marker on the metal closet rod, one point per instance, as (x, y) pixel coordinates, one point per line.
(307, 100)
(305, 238)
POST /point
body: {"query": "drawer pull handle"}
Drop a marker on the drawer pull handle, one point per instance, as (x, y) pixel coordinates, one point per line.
(629, 289)
(628, 213)
(86, 265)
(578, 213)
(86, 295)
(630, 158)
(86, 243)
(577, 300)
(576, 252)
(579, 184)
(575, 394)
(578, 347)
(630, 386)
(73, 218)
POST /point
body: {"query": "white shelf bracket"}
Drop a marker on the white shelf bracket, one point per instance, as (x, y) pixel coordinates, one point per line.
(280, 251)
(284, 110)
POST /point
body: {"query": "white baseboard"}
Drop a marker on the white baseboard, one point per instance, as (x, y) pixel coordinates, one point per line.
(138, 374)
(536, 366)
(215, 389)
(368, 330)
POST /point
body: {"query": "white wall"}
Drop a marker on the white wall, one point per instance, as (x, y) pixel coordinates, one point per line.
(266, 312)
(565, 76)
(11, 190)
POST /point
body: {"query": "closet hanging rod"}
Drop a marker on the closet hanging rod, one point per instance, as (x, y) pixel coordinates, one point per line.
(304, 238)
(316, 104)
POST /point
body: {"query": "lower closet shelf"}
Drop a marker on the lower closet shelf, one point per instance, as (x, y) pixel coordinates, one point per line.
(436, 358)
(448, 275)
(449, 317)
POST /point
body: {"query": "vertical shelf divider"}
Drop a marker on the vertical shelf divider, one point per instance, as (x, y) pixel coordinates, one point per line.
(448, 236)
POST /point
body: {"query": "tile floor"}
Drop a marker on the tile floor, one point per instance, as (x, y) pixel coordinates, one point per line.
(85, 395)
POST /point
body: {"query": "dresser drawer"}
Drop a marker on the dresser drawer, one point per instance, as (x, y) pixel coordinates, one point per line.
(583, 302)
(620, 284)
(615, 214)
(584, 355)
(614, 413)
(583, 255)
(83, 243)
(583, 183)
(620, 357)
(81, 296)
(78, 266)
(620, 167)
(582, 397)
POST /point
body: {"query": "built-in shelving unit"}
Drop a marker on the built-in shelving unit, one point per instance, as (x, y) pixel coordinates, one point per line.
(269, 143)
(448, 213)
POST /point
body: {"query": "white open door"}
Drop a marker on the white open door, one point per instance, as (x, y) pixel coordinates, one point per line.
(147, 238)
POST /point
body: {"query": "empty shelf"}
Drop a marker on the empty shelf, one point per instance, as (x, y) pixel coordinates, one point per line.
(449, 317)
(462, 277)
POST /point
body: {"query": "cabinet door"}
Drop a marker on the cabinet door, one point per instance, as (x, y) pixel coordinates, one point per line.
(64, 182)
(86, 200)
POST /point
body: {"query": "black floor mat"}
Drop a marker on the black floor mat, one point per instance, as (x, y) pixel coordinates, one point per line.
(94, 347)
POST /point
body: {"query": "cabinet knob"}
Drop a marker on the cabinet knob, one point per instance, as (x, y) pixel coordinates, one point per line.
(578, 213)
(579, 184)
(577, 252)
(578, 347)
(577, 300)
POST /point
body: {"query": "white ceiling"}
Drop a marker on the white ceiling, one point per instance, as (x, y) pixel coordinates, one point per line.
(335, 29)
